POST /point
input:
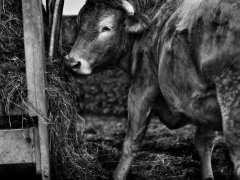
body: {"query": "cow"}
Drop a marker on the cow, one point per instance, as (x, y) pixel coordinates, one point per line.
(183, 57)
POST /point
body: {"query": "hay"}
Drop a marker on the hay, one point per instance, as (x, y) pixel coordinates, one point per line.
(71, 157)
(11, 30)
(69, 149)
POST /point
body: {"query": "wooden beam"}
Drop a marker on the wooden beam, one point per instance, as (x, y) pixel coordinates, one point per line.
(50, 4)
(17, 146)
(55, 28)
(35, 70)
(1, 7)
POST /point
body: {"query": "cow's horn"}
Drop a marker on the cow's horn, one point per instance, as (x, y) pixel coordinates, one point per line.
(128, 7)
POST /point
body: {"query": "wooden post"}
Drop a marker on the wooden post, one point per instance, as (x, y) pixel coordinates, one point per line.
(35, 70)
(55, 28)
(50, 4)
(1, 8)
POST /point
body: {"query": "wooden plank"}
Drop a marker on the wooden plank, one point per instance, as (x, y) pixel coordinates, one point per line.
(17, 146)
(35, 69)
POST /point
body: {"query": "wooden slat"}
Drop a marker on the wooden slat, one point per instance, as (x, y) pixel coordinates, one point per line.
(35, 69)
(17, 146)
(1, 6)
(50, 4)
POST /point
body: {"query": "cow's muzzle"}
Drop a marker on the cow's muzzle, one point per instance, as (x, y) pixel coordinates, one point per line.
(78, 65)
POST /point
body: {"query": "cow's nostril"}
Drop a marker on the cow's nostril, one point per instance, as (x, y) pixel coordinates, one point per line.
(71, 62)
(76, 65)
(66, 57)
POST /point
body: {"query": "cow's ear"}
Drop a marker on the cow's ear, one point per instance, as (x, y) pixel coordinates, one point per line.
(136, 24)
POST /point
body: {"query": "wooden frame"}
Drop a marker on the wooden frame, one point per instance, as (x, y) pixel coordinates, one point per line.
(35, 73)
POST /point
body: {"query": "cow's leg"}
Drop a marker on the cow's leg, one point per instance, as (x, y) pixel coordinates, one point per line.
(204, 142)
(139, 107)
(228, 94)
(172, 120)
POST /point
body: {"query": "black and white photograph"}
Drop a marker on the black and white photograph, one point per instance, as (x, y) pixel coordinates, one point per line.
(120, 89)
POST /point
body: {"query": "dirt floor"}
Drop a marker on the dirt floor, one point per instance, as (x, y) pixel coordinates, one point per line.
(165, 154)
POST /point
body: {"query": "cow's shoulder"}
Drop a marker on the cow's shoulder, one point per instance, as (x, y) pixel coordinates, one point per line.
(190, 11)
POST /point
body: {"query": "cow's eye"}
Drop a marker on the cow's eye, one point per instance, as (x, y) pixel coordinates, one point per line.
(105, 29)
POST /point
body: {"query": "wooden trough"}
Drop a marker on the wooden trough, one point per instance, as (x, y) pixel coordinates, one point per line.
(26, 143)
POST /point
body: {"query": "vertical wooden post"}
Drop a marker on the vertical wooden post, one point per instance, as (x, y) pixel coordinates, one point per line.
(0, 9)
(50, 4)
(55, 27)
(35, 70)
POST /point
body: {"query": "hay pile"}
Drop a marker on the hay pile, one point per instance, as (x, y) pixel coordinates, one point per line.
(11, 43)
(71, 157)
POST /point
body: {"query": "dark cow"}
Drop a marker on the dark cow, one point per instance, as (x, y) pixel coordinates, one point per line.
(184, 60)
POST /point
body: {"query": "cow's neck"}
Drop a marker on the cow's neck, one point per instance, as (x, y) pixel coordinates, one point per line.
(125, 62)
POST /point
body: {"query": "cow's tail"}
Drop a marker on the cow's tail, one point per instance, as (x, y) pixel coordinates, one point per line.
(228, 94)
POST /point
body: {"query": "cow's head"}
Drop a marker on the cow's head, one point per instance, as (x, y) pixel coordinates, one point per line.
(103, 34)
